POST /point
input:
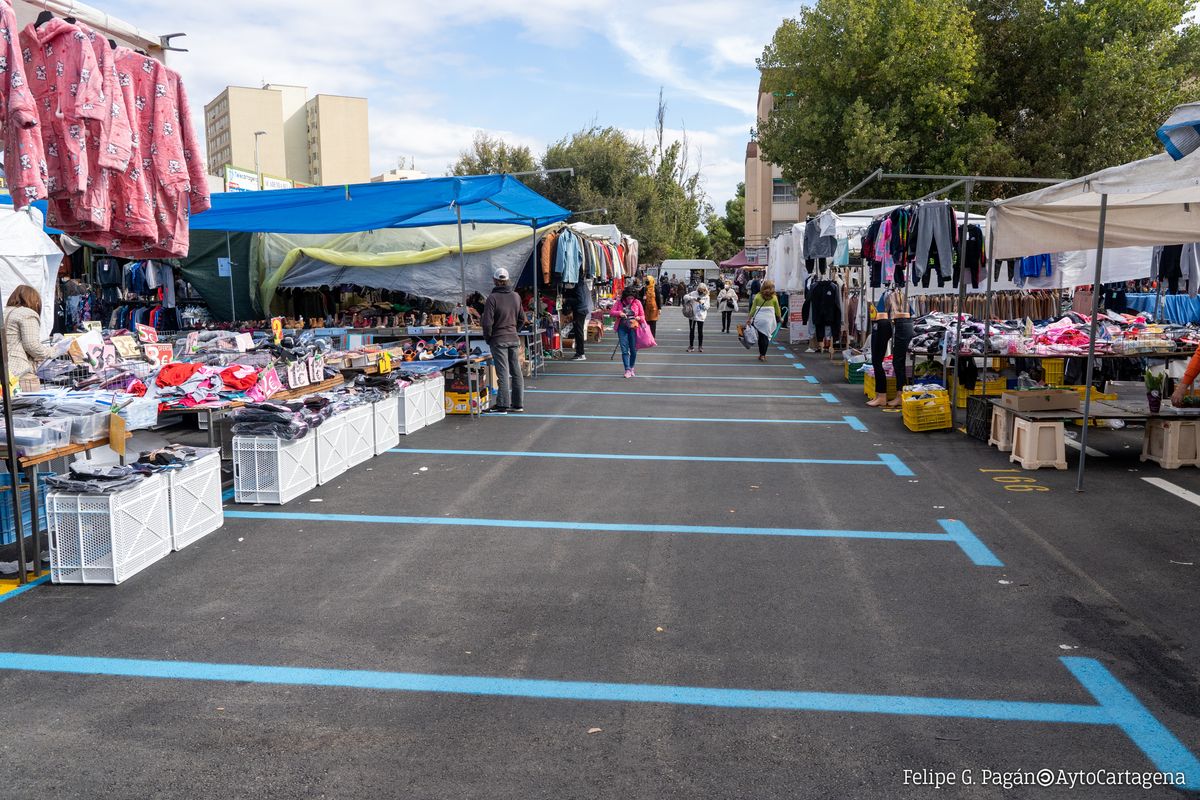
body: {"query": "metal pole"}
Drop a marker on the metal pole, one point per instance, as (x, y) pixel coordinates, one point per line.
(1091, 362)
(877, 173)
(13, 464)
(987, 305)
(535, 345)
(229, 256)
(462, 272)
(962, 296)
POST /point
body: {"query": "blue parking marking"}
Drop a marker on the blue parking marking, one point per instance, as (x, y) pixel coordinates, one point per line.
(788, 355)
(720, 365)
(1118, 707)
(956, 532)
(826, 396)
(806, 378)
(854, 422)
(20, 590)
(892, 462)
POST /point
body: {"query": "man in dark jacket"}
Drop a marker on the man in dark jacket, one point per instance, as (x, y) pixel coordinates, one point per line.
(501, 319)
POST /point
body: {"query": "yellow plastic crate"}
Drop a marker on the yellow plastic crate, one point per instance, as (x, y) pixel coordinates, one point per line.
(924, 413)
(1054, 368)
(994, 389)
(869, 386)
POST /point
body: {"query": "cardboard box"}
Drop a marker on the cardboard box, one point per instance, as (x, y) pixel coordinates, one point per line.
(1042, 400)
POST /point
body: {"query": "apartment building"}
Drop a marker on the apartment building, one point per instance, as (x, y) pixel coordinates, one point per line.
(320, 140)
(772, 204)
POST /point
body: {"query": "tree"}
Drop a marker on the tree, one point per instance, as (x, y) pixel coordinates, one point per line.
(735, 215)
(1053, 88)
(490, 155)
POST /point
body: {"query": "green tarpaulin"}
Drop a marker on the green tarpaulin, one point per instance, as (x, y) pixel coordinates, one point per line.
(200, 269)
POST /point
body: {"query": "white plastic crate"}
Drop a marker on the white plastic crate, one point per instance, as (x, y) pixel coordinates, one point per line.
(271, 470)
(196, 508)
(386, 418)
(332, 449)
(435, 399)
(360, 435)
(412, 408)
(107, 538)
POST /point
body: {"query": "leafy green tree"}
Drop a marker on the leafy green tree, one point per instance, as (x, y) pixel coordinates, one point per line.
(1054, 88)
(735, 215)
(490, 155)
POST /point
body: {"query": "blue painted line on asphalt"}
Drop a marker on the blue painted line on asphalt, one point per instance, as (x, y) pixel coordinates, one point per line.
(823, 396)
(853, 422)
(788, 355)
(227, 495)
(806, 378)
(897, 466)
(885, 460)
(965, 538)
(956, 532)
(1118, 706)
(1160, 745)
(20, 590)
(748, 365)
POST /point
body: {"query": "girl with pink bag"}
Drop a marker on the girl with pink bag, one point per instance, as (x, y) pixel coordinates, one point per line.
(630, 327)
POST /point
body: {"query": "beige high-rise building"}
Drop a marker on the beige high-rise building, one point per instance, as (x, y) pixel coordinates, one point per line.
(322, 140)
(772, 205)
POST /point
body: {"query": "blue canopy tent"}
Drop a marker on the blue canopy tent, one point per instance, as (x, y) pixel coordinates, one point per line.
(480, 199)
(371, 206)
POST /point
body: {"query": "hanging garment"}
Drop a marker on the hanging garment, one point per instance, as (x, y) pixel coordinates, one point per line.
(24, 156)
(934, 227)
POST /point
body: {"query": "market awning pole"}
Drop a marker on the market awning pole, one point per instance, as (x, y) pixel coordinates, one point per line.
(232, 301)
(14, 474)
(466, 318)
(535, 344)
(987, 305)
(962, 299)
(1091, 361)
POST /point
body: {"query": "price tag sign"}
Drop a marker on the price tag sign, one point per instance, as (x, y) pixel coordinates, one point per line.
(385, 363)
(146, 333)
(316, 369)
(126, 346)
(224, 268)
(93, 325)
(159, 354)
(243, 342)
(193, 342)
(277, 329)
(297, 375)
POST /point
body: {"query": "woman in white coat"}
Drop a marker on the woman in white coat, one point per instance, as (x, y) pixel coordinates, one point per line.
(727, 302)
(698, 301)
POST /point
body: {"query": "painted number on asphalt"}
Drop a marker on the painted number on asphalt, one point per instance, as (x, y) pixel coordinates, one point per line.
(1013, 481)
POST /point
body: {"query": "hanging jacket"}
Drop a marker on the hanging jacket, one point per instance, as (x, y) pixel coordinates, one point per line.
(24, 154)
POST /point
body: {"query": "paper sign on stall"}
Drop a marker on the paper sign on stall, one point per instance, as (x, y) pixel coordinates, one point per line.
(193, 341)
(116, 433)
(385, 363)
(269, 383)
(126, 346)
(93, 325)
(277, 329)
(316, 369)
(159, 354)
(87, 348)
(796, 329)
(243, 342)
(146, 333)
(297, 375)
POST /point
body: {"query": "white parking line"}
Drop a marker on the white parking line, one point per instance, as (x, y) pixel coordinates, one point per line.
(1178, 491)
(1092, 453)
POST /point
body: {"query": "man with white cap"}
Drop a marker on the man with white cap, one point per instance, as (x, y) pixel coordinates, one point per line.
(501, 319)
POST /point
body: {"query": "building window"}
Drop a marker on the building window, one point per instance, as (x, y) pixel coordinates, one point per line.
(783, 192)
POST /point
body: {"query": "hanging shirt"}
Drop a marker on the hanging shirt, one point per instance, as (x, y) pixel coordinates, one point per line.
(568, 260)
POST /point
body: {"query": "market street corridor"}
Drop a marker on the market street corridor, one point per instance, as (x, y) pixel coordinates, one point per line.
(719, 579)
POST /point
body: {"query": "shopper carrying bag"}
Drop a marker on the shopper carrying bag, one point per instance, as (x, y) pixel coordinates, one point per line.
(630, 316)
(764, 317)
(698, 300)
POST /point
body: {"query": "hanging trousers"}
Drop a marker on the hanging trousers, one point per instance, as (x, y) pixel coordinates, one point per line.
(933, 228)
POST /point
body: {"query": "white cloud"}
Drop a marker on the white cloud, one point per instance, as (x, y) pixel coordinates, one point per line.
(397, 53)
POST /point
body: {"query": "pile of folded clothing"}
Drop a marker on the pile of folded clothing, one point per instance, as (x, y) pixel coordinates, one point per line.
(281, 420)
(172, 457)
(86, 477)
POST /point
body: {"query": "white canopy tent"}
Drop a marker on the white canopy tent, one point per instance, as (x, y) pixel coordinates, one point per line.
(28, 256)
(1149, 202)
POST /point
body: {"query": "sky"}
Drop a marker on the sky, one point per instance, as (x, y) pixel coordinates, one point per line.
(531, 71)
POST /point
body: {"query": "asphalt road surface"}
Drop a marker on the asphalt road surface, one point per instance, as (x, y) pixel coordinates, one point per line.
(721, 579)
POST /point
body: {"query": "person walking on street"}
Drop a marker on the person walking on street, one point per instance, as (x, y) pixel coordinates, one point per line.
(653, 304)
(502, 317)
(579, 301)
(697, 301)
(629, 314)
(754, 289)
(727, 302)
(764, 316)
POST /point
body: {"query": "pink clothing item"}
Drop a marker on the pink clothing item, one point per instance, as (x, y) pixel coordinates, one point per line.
(635, 308)
(68, 86)
(24, 158)
(883, 250)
